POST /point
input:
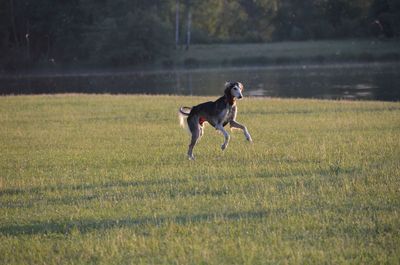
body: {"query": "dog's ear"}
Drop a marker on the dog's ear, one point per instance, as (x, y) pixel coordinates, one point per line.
(241, 86)
(227, 91)
(228, 88)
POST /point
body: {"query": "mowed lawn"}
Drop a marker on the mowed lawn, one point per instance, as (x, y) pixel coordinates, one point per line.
(103, 179)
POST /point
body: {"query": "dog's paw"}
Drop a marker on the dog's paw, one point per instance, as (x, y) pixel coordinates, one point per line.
(223, 147)
(191, 157)
(248, 138)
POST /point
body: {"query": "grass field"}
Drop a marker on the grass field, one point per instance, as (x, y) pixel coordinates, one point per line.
(289, 52)
(101, 179)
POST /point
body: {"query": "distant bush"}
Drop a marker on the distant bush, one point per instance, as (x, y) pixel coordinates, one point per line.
(167, 63)
(366, 57)
(191, 62)
(284, 60)
(250, 61)
(390, 57)
(319, 59)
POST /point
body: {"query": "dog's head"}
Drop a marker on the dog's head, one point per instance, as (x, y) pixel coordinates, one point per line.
(234, 90)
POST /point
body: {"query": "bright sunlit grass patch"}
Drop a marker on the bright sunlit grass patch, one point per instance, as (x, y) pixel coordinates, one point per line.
(104, 179)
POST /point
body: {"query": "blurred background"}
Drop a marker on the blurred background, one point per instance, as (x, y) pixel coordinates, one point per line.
(282, 48)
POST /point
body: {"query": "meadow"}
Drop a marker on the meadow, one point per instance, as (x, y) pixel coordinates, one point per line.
(104, 179)
(320, 51)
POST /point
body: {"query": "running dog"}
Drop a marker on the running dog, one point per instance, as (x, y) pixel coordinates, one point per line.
(217, 113)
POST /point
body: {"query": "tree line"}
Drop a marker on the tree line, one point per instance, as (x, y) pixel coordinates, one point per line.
(109, 33)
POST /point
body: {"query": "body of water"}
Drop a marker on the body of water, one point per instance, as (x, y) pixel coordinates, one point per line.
(375, 81)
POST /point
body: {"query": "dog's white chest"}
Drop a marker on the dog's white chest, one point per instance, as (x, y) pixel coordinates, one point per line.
(225, 114)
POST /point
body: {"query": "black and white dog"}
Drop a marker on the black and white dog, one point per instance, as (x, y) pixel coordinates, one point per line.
(217, 113)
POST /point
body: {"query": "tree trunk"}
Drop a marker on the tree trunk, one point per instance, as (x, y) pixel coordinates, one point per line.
(177, 24)
(28, 42)
(13, 26)
(189, 24)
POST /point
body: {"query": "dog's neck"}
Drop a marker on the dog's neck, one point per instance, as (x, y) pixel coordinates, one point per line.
(231, 100)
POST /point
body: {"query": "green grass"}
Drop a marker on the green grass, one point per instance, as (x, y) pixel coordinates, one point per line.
(289, 52)
(101, 179)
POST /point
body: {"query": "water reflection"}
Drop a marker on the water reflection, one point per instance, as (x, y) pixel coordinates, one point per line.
(341, 81)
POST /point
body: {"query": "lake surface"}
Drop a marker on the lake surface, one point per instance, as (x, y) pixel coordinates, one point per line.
(375, 81)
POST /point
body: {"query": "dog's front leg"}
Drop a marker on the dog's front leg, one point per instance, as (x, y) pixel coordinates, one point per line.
(235, 124)
(226, 135)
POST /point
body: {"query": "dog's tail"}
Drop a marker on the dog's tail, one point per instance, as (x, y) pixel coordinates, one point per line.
(183, 112)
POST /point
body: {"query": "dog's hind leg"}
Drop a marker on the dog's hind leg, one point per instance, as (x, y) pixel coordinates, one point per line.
(226, 135)
(195, 137)
(195, 131)
(235, 124)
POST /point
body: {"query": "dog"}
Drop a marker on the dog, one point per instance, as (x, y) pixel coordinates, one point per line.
(217, 113)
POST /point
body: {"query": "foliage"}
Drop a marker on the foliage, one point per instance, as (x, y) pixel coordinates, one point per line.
(136, 32)
(105, 180)
(319, 19)
(135, 38)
